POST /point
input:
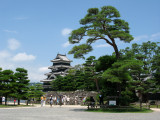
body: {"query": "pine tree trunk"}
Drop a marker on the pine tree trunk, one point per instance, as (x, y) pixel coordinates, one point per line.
(97, 85)
(18, 101)
(116, 51)
(140, 100)
(27, 102)
(140, 104)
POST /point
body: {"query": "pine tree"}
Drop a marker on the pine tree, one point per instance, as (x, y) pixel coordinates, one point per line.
(100, 24)
(1, 86)
(90, 71)
(22, 84)
(8, 84)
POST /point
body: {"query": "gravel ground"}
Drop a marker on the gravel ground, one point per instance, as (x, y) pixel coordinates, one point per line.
(70, 113)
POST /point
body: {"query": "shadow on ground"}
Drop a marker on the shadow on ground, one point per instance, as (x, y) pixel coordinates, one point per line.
(78, 110)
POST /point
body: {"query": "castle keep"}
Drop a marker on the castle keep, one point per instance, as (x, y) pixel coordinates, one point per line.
(60, 66)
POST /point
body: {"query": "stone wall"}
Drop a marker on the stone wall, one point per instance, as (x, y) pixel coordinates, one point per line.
(70, 97)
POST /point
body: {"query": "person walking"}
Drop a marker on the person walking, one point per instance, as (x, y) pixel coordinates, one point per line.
(101, 99)
(51, 101)
(68, 100)
(84, 100)
(41, 101)
(55, 100)
(92, 102)
(14, 101)
(44, 100)
(3, 100)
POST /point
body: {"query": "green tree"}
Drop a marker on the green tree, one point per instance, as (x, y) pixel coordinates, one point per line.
(148, 53)
(104, 24)
(31, 92)
(141, 83)
(80, 80)
(119, 77)
(1, 86)
(79, 77)
(142, 76)
(68, 83)
(8, 84)
(76, 79)
(156, 65)
(22, 83)
(35, 92)
(105, 62)
(57, 83)
(156, 70)
(38, 91)
(144, 53)
(90, 70)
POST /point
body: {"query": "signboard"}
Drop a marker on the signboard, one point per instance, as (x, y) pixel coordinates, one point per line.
(112, 102)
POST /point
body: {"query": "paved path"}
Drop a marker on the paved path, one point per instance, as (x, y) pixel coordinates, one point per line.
(70, 113)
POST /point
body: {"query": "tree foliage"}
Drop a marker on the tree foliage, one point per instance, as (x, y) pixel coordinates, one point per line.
(143, 77)
(22, 84)
(104, 62)
(77, 79)
(35, 92)
(8, 84)
(16, 85)
(100, 24)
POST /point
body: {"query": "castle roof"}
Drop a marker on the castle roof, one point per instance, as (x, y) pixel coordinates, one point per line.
(61, 57)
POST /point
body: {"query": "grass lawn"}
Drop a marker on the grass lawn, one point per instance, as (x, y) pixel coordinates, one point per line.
(121, 110)
(154, 106)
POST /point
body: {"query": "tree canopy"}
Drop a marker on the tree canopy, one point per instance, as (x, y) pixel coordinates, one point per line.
(22, 84)
(100, 24)
(15, 85)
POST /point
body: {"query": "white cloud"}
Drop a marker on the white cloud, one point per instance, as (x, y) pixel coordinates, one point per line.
(9, 60)
(13, 44)
(4, 54)
(141, 37)
(10, 66)
(10, 31)
(102, 45)
(43, 69)
(155, 36)
(66, 31)
(35, 77)
(66, 44)
(23, 57)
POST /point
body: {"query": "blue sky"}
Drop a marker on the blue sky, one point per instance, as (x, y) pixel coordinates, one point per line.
(32, 32)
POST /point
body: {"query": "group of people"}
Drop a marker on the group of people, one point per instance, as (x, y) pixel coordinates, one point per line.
(53, 100)
(4, 99)
(65, 100)
(58, 100)
(61, 100)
